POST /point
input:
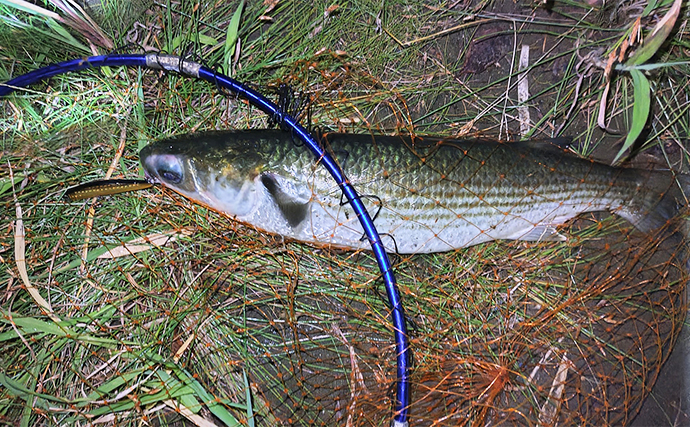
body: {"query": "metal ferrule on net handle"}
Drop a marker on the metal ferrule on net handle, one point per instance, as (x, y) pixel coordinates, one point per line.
(196, 70)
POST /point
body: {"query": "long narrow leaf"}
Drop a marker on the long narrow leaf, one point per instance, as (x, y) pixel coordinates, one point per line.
(232, 35)
(30, 325)
(657, 37)
(22, 391)
(250, 406)
(642, 100)
(30, 8)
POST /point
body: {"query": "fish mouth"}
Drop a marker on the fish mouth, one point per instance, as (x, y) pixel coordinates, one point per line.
(150, 179)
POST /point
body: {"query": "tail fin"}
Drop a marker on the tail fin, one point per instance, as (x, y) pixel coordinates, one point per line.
(662, 195)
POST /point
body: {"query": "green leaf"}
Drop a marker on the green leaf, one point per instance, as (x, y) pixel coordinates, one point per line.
(216, 408)
(232, 35)
(103, 390)
(6, 183)
(190, 402)
(31, 8)
(641, 106)
(20, 390)
(657, 37)
(248, 391)
(184, 393)
(651, 5)
(201, 38)
(208, 41)
(30, 326)
(65, 35)
(650, 67)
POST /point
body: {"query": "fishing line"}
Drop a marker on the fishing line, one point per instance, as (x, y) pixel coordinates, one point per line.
(197, 70)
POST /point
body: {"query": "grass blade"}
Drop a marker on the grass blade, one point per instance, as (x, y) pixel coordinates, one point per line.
(656, 38)
(641, 106)
(30, 8)
(232, 35)
(250, 405)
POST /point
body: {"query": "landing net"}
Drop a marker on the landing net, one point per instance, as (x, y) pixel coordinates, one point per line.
(281, 333)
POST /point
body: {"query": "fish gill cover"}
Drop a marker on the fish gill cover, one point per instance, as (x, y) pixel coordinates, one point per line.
(171, 314)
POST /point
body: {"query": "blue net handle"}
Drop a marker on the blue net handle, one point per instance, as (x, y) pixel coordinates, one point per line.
(196, 70)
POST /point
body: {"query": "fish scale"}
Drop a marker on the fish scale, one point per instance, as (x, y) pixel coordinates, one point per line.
(425, 194)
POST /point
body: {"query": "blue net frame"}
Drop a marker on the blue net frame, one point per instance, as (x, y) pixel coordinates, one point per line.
(196, 70)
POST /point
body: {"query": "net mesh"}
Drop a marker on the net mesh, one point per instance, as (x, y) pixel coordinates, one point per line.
(282, 333)
(577, 339)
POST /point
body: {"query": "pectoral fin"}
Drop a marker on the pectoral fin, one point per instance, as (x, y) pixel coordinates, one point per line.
(292, 205)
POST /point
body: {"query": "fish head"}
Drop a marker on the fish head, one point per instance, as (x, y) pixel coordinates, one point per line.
(219, 172)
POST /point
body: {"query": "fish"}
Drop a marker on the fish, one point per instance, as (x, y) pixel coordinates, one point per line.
(425, 194)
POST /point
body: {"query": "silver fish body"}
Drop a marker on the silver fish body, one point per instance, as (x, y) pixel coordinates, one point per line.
(426, 195)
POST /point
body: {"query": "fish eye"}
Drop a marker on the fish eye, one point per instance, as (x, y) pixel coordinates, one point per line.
(169, 169)
(170, 176)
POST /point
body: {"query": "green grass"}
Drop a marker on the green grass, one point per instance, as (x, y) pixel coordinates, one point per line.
(241, 328)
